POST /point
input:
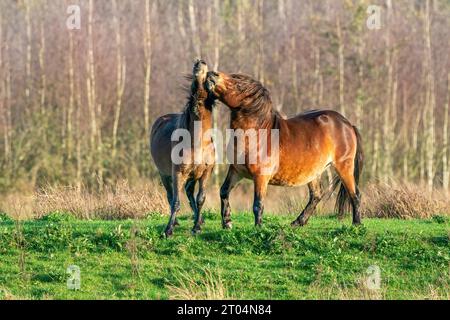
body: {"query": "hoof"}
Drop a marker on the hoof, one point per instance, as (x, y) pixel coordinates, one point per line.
(176, 223)
(196, 230)
(228, 226)
(357, 223)
(298, 223)
(167, 234)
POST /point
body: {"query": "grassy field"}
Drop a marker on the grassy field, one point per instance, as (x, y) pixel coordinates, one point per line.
(127, 259)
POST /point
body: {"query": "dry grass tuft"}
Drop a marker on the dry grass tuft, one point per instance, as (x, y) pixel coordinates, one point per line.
(210, 287)
(117, 202)
(5, 294)
(17, 205)
(290, 203)
(122, 201)
(433, 293)
(403, 201)
(335, 291)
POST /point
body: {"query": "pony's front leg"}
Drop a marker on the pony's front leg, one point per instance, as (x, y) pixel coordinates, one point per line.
(260, 185)
(177, 183)
(230, 182)
(190, 188)
(201, 197)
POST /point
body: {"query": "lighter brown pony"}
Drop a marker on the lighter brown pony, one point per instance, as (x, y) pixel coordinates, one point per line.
(308, 144)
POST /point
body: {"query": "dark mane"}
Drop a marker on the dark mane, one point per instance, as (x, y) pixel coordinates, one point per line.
(195, 96)
(256, 100)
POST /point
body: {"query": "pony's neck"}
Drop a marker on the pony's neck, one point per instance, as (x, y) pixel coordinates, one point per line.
(252, 103)
(199, 108)
(200, 114)
(243, 118)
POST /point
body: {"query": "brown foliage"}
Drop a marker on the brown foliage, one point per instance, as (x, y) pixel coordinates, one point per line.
(403, 201)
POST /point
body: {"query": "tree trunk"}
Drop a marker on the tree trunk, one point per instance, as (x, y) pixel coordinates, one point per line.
(181, 28)
(388, 107)
(148, 67)
(430, 99)
(240, 6)
(79, 178)
(341, 66)
(120, 77)
(445, 161)
(294, 74)
(193, 24)
(28, 57)
(95, 109)
(360, 94)
(3, 94)
(217, 44)
(217, 41)
(90, 81)
(71, 98)
(260, 56)
(376, 145)
(42, 67)
(7, 105)
(282, 17)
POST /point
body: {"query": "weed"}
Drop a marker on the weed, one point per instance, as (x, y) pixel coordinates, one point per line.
(209, 287)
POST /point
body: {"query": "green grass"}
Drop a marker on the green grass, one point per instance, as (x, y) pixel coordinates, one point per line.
(327, 259)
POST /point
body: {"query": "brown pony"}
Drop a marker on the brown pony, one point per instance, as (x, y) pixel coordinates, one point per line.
(187, 174)
(308, 144)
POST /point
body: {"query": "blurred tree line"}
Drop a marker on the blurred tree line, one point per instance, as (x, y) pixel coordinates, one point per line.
(76, 105)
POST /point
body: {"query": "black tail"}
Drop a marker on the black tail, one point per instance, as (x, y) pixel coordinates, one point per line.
(343, 198)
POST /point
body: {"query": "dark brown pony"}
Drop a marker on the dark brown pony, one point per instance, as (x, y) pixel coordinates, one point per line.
(308, 144)
(176, 176)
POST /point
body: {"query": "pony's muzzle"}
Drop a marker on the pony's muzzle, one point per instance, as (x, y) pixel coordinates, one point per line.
(211, 80)
(200, 70)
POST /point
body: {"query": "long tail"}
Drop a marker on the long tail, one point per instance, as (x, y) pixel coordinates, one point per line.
(343, 198)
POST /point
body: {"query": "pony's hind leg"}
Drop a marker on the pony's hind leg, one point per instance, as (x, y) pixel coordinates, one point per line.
(167, 183)
(230, 182)
(349, 189)
(260, 184)
(178, 182)
(315, 195)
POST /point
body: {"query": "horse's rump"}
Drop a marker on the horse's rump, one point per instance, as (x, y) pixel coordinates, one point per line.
(160, 141)
(165, 120)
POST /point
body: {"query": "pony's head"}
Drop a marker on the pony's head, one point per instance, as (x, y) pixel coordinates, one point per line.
(223, 87)
(240, 92)
(196, 91)
(199, 71)
(199, 99)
